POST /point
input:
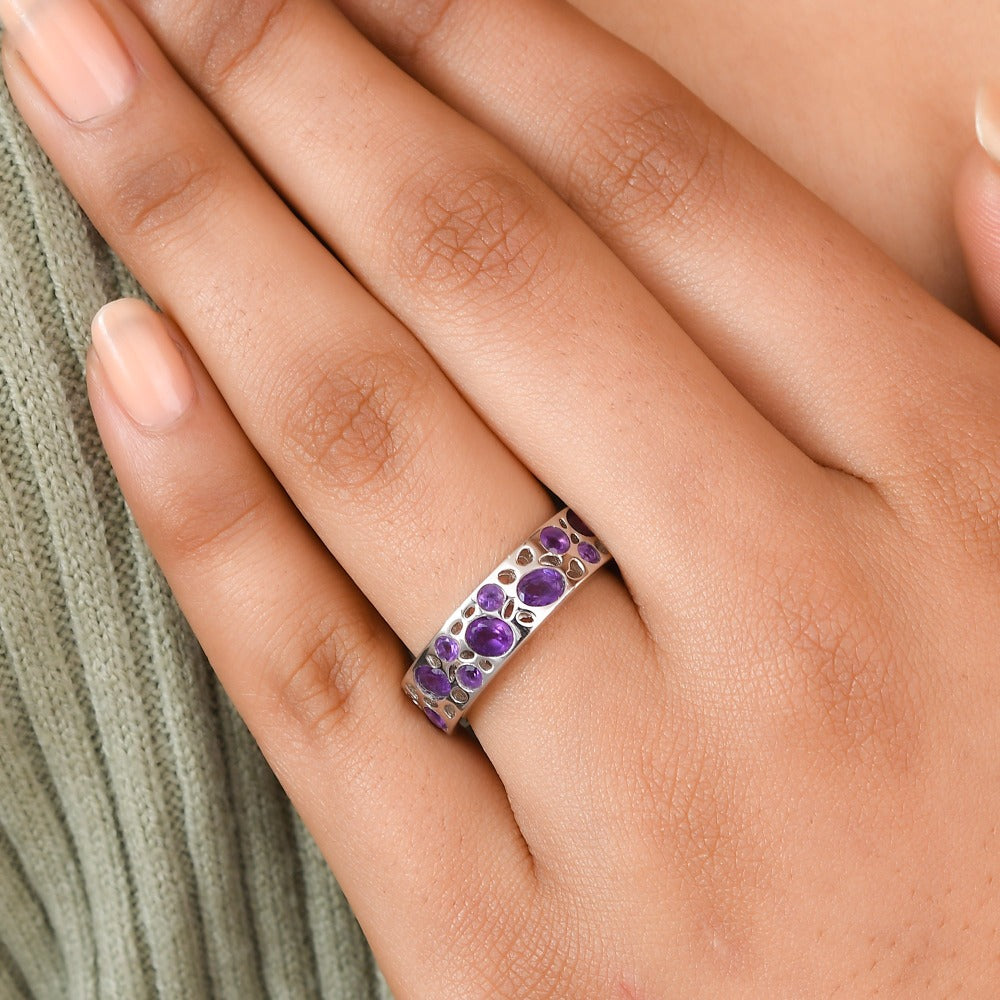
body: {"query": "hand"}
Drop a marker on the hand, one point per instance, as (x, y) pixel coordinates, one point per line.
(761, 762)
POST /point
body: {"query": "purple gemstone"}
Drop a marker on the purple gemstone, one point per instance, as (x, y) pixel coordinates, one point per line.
(433, 680)
(446, 648)
(470, 677)
(554, 539)
(489, 636)
(588, 553)
(578, 524)
(541, 587)
(435, 718)
(490, 597)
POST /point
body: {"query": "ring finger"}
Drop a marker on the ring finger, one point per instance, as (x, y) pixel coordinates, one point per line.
(305, 659)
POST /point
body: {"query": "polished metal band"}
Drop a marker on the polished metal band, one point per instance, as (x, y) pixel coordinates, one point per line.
(500, 615)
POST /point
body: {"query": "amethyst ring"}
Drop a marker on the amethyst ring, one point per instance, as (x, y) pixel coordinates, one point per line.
(500, 615)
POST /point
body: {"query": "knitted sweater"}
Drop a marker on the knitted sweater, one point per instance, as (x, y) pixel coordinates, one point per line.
(145, 847)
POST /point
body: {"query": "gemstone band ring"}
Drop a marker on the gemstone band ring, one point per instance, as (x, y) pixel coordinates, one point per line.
(500, 615)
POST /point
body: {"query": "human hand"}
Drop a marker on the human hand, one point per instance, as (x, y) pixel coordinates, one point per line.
(760, 762)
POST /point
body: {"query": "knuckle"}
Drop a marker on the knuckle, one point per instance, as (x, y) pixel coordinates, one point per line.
(222, 40)
(205, 522)
(315, 678)
(476, 230)
(844, 689)
(639, 160)
(352, 420)
(153, 197)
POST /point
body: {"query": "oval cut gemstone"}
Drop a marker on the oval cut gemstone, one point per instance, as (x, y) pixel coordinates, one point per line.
(490, 597)
(435, 718)
(578, 523)
(541, 587)
(433, 680)
(554, 539)
(446, 648)
(490, 636)
(470, 677)
(588, 553)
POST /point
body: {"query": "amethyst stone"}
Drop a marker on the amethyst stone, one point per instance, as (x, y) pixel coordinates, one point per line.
(554, 539)
(432, 680)
(446, 648)
(470, 677)
(490, 597)
(489, 636)
(578, 524)
(435, 718)
(588, 553)
(541, 587)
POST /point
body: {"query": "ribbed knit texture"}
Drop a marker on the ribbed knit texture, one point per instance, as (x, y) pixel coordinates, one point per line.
(146, 850)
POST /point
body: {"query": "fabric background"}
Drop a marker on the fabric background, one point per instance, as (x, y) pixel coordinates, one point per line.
(145, 847)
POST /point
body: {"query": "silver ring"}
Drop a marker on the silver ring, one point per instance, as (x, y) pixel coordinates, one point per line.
(500, 615)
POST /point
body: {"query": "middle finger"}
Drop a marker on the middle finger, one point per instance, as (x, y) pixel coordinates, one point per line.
(561, 348)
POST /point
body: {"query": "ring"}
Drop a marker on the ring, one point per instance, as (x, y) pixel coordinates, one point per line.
(500, 615)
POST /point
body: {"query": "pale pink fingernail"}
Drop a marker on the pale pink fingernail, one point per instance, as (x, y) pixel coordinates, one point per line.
(72, 53)
(988, 119)
(147, 371)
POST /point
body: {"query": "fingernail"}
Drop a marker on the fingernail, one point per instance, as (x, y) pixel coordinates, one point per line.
(147, 372)
(72, 53)
(988, 119)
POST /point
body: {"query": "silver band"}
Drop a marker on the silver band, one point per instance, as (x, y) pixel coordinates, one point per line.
(500, 615)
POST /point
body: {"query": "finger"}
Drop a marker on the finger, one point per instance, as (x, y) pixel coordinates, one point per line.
(412, 493)
(562, 349)
(977, 209)
(337, 396)
(307, 661)
(362, 428)
(799, 310)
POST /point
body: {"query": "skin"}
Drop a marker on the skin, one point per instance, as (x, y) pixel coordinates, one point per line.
(778, 775)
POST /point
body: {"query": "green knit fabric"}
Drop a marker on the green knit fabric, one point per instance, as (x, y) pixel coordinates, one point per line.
(145, 847)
